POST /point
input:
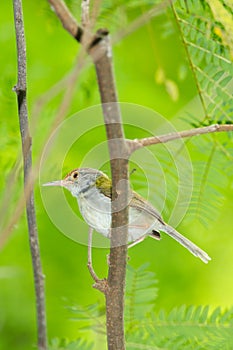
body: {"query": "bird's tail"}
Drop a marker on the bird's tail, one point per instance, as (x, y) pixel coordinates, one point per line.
(193, 248)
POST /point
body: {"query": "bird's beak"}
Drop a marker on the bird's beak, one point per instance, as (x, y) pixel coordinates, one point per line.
(54, 183)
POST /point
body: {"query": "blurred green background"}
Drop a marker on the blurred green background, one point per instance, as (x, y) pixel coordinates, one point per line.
(140, 60)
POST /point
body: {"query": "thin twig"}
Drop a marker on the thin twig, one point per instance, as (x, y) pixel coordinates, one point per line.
(71, 25)
(140, 21)
(68, 21)
(85, 6)
(20, 90)
(10, 185)
(149, 141)
(19, 208)
(96, 8)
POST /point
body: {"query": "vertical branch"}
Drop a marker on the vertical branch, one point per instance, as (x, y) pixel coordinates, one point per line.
(20, 90)
(102, 57)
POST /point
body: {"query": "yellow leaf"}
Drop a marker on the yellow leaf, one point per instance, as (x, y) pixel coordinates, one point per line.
(172, 89)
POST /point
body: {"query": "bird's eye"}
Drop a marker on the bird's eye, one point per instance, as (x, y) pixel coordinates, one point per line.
(75, 175)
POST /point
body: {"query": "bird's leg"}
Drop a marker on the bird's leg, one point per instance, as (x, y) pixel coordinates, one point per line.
(100, 284)
(89, 263)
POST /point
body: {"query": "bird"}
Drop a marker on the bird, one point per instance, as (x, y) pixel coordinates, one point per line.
(93, 190)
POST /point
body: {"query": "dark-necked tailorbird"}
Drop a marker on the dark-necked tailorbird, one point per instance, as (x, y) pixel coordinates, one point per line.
(92, 189)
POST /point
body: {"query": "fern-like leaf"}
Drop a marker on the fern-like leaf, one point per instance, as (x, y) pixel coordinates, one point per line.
(208, 54)
(186, 328)
(141, 293)
(57, 344)
(211, 177)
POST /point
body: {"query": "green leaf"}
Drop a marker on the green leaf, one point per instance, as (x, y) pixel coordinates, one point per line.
(225, 81)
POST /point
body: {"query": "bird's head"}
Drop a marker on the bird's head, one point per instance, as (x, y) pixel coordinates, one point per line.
(81, 180)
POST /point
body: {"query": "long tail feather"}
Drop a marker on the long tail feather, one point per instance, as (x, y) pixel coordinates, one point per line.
(193, 248)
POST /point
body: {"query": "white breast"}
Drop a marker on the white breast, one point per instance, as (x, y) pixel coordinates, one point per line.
(96, 211)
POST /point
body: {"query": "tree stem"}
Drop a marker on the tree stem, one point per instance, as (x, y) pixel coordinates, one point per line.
(20, 90)
(119, 168)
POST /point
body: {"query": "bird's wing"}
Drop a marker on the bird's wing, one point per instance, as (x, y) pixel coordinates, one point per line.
(140, 203)
(104, 184)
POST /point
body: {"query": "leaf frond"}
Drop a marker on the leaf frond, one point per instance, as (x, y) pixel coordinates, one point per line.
(209, 55)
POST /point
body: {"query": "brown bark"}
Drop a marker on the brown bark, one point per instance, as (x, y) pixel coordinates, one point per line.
(119, 168)
(20, 90)
(149, 141)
